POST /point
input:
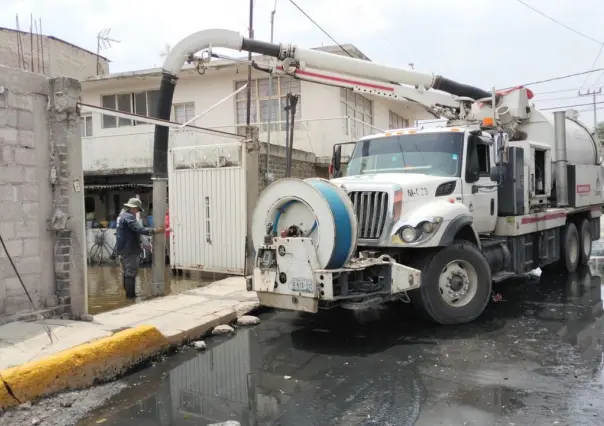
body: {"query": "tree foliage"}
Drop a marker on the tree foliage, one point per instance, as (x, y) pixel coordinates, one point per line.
(600, 131)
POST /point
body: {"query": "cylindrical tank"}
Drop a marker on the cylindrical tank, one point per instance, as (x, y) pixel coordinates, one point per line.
(581, 146)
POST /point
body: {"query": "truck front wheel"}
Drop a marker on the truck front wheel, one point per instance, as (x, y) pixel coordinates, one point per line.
(455, 286)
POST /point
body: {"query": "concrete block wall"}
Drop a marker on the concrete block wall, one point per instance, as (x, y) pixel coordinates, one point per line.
(49, 56)
(303, 164)
(40, 150)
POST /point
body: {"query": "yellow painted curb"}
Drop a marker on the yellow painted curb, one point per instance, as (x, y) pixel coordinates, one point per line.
(80, 366)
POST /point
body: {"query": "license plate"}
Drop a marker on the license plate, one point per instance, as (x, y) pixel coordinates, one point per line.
(302, 285)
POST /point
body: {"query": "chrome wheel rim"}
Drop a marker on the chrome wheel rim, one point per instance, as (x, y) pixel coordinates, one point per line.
(458, 283)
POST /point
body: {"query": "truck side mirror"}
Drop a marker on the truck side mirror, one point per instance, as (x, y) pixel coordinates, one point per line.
(336, 159)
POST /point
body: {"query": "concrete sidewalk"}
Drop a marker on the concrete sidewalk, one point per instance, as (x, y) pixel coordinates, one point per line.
(81, 352)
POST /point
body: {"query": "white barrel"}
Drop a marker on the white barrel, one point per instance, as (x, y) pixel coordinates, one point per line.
(321, 209)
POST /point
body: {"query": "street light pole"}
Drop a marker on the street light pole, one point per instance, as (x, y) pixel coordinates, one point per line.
(249, 68)
(270, 101)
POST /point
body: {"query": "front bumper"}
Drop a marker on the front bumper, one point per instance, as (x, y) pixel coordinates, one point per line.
(286, 277)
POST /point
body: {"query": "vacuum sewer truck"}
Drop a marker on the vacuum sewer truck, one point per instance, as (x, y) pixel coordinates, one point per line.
(430, 216)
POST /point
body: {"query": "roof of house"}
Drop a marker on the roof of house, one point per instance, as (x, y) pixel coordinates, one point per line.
(56, 39)
(221, 63)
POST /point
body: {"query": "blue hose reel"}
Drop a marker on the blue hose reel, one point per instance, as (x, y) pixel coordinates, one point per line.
(319, 207)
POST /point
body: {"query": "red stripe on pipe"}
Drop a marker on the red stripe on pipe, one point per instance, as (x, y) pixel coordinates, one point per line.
(345, 80)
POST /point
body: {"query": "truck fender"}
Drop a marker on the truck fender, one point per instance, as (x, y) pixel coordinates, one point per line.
(455, 226)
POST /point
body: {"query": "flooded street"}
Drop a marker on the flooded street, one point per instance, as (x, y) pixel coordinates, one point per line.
(534, 358)
(105, 291)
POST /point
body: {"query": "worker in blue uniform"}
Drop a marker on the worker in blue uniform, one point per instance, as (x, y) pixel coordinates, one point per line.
(128, 245)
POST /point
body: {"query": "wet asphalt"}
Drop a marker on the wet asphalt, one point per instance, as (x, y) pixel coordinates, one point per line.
(533, 358)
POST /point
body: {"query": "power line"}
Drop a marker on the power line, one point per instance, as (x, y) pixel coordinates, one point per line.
(593, 66)
(574, 31)
(557, 99)
(557, 78)
(571, 106)
(319, 27)
(559, 91)
(598, 79)
(560, 23)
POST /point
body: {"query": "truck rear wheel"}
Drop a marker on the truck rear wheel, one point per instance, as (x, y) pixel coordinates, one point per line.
(585, 241)
(455, 286)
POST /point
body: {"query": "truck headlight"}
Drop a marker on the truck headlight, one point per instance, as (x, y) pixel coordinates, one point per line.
(408, 234)
(431, 225)
(428, 227)
(419, 231)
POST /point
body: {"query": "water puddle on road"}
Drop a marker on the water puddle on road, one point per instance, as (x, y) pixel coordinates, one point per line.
(105, 290)
(535, 357)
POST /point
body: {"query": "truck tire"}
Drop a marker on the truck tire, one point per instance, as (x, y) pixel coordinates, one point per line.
(455, 286)
(570, 254)
(585, 241)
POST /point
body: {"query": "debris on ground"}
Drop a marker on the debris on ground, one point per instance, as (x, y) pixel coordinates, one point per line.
(222, 330)
(248, 320)
(497, 297)
(25, 406)
(227, 423)
(200, 345)
(63, 409)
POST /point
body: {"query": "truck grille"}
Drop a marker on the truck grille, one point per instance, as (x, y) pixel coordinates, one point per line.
(371, 208)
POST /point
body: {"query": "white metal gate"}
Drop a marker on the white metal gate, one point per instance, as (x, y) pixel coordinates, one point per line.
(207, 207)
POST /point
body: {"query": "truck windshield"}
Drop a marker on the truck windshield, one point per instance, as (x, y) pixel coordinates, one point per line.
(437, 154)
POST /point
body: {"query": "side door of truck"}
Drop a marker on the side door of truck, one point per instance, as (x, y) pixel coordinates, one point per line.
(481, 202)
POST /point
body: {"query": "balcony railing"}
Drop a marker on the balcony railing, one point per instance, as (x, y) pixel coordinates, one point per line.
(133, 152)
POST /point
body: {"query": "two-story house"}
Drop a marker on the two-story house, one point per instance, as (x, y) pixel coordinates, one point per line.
(118, 151)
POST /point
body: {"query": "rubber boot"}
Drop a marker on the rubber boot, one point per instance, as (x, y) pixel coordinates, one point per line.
(130, 286)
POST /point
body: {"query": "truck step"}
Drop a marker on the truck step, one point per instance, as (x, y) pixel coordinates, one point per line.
(500, 276)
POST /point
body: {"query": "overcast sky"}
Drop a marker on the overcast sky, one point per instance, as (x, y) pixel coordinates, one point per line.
(482, 42)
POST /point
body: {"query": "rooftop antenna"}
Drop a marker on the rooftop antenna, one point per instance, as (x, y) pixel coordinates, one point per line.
(103, 42)
(166, 51)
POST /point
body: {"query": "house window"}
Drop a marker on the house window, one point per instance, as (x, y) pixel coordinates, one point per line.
(395, 121)
(261, 102)
(141, 103)
(184, 112)
(360, 109)
(86, 125)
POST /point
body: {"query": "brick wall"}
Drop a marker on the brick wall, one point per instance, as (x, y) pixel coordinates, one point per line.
(303, 164)
(51, 57)
(41, 197)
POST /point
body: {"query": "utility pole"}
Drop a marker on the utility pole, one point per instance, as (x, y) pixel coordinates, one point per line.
(249, 68)
(270, 102)
(593, 93)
